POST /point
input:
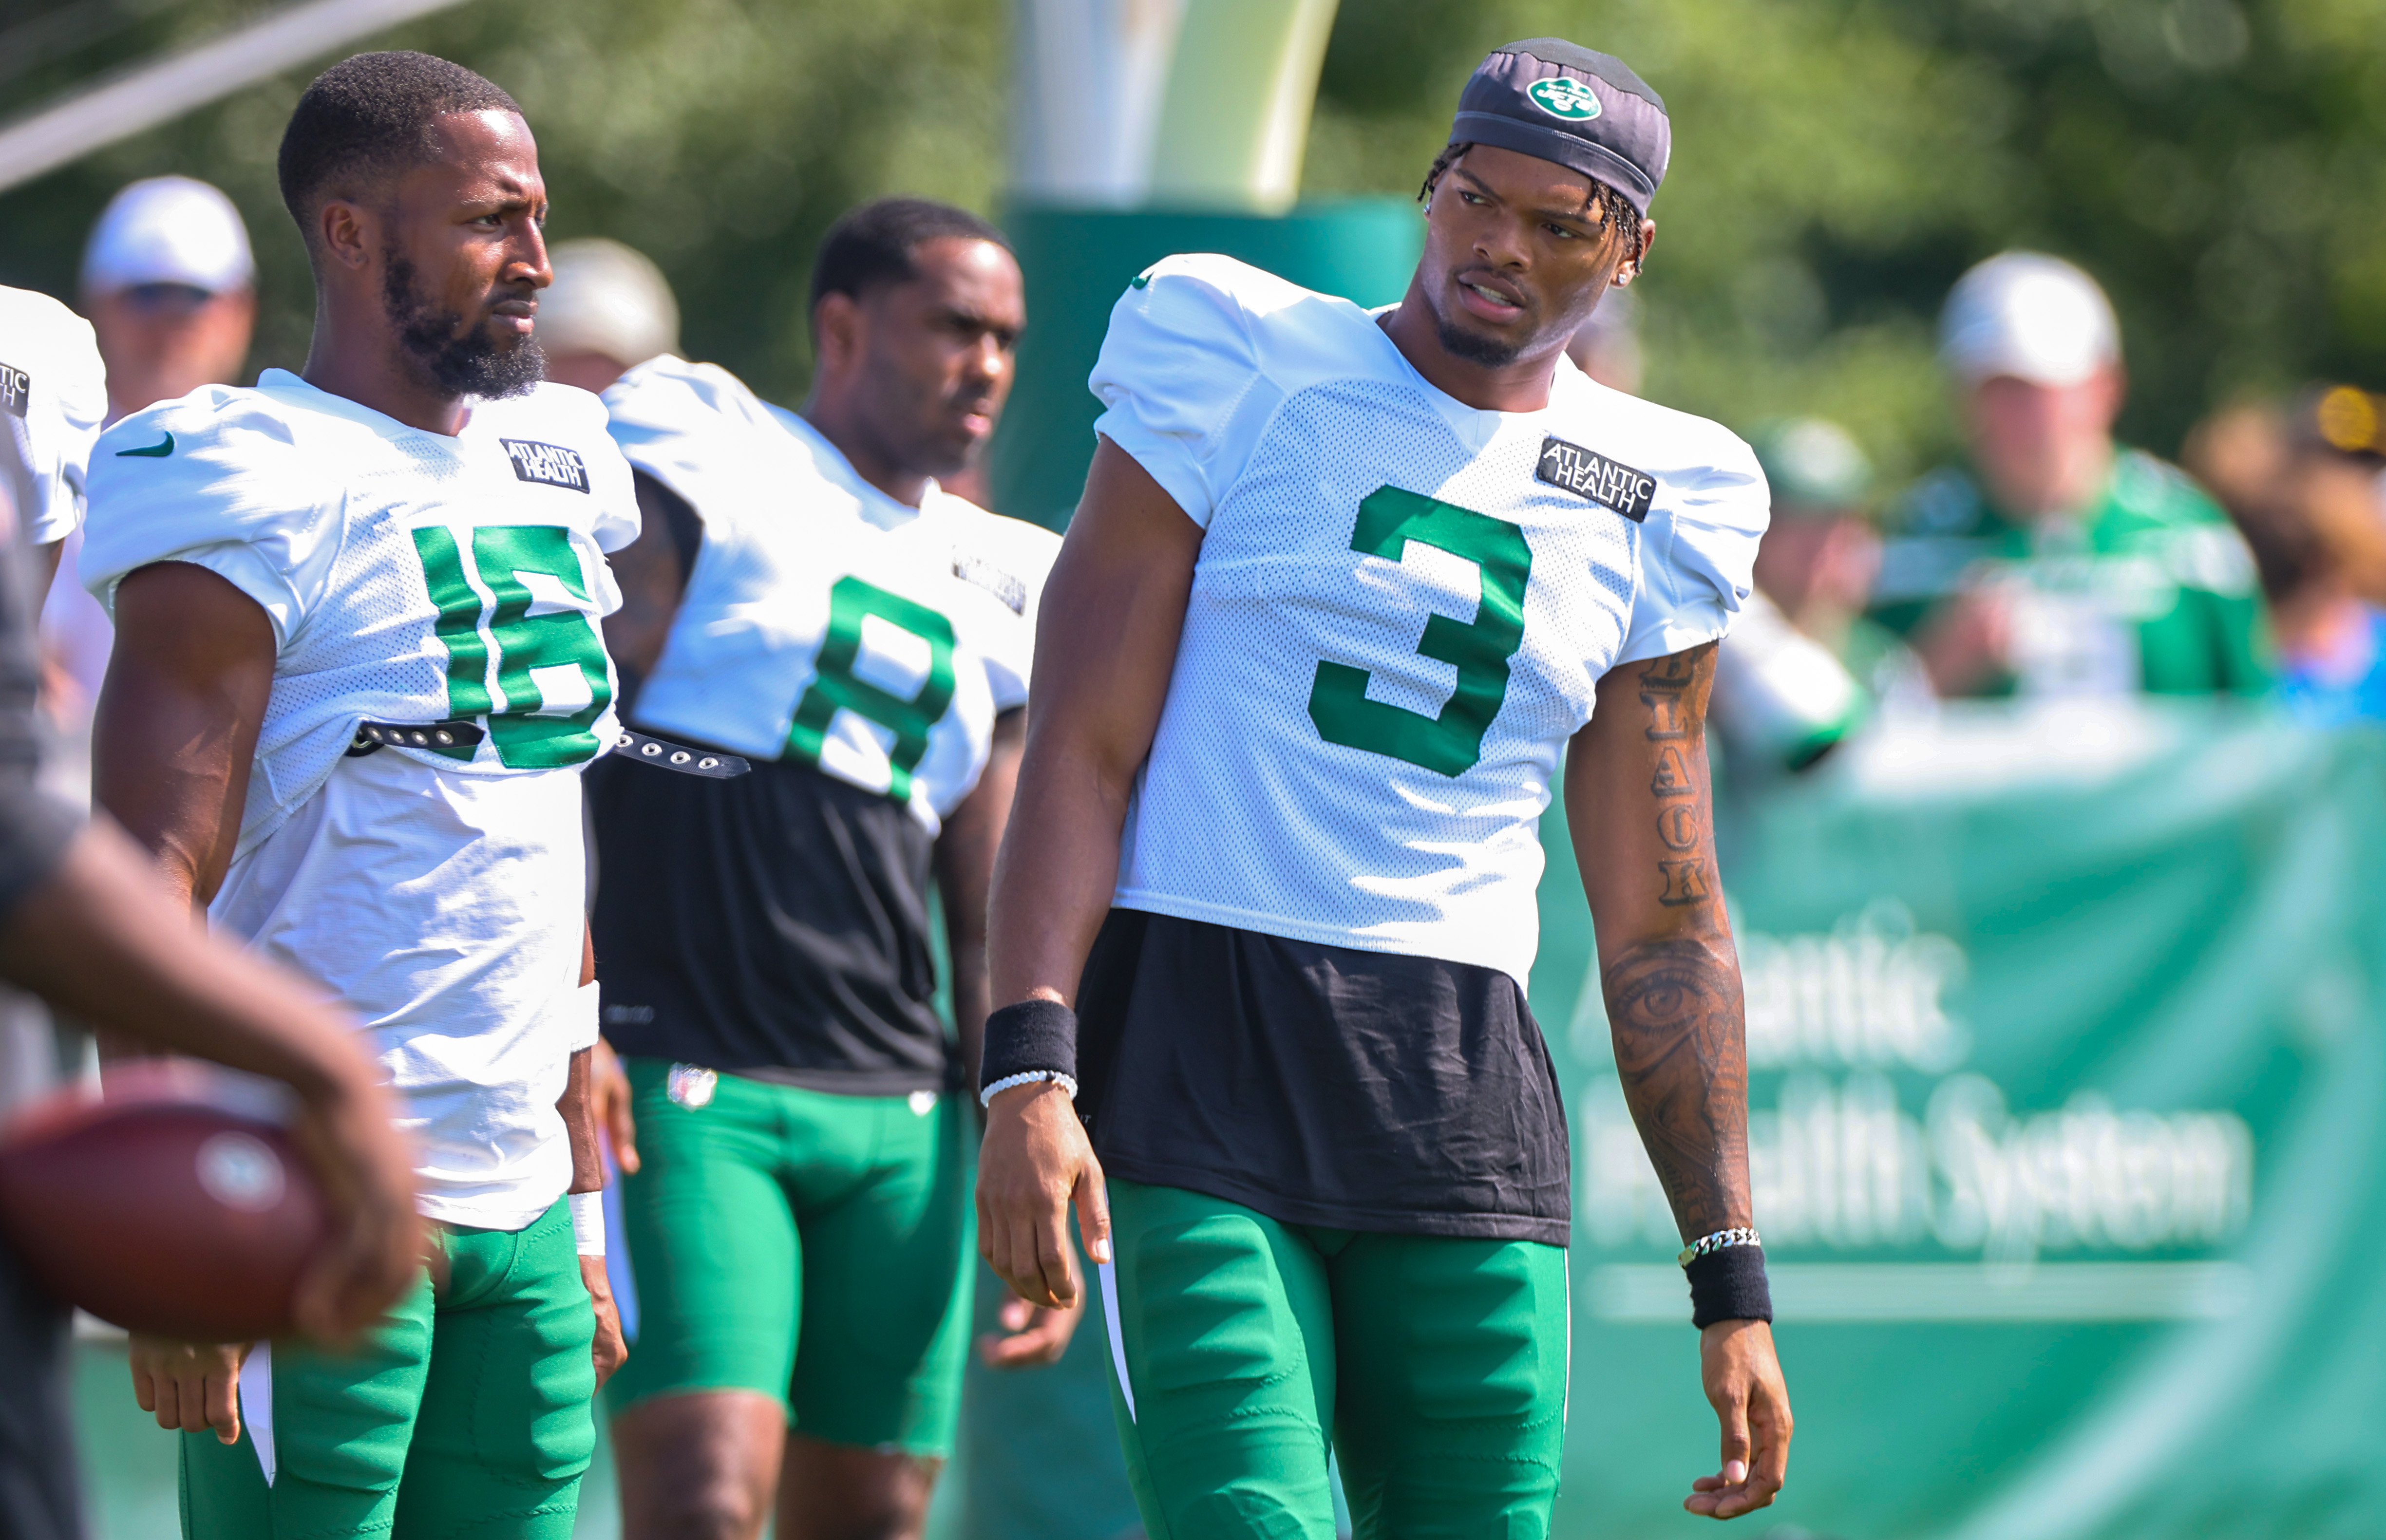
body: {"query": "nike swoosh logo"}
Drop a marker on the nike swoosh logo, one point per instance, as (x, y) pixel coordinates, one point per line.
(158, 451)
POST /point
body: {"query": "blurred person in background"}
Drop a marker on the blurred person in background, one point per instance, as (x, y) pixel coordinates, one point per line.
(2305, 491)
(1822, 554)
(171, 287)
(2056, 562)
(609, 309)
(1803, 667)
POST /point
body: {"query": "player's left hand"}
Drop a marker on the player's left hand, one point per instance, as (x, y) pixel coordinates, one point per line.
(1744, 1386)
(608, 1102)
(1037, 1334)
(609, 1350)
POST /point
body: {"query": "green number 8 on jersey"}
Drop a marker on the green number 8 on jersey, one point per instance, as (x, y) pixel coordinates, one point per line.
(835, 686)
(1451, 743)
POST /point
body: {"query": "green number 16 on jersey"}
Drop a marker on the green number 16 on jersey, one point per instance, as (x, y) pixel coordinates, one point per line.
(552, 682)
(1451, 743)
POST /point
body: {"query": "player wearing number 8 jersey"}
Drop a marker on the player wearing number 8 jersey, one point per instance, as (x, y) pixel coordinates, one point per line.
(357, 673)
(809, 598)
(1344, 593)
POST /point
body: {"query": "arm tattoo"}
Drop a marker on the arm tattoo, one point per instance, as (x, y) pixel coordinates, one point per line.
(1674, 1003)
(1675, 689)
(1674, 1009)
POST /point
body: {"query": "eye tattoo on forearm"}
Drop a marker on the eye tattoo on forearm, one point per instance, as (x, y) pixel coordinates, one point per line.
(1675, 1007)
(1674, 689)
(1675, 1004)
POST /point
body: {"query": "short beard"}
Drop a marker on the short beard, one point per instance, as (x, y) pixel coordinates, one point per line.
(473, 364)
(1473, 347)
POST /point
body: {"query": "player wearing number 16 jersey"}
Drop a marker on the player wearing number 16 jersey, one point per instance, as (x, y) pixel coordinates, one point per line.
(1345, 593)
(357, 676)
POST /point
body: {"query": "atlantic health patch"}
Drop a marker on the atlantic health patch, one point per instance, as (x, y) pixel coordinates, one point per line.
(16, 388)
(550, 464)
(1594, 477)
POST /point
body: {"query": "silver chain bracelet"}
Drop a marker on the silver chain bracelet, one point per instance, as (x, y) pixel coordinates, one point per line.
(1741, 1235)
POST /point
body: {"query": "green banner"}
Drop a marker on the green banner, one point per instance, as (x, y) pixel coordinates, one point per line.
(2068, 1098)
(2067, 1084)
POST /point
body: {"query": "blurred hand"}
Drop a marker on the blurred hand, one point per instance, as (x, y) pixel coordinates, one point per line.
(1743, 1385)
(377, 1242)
(190, 1385)
(608, 1094)
(1034, 1164)
(1967, 641)
(1037, 1334)
(609, 1350)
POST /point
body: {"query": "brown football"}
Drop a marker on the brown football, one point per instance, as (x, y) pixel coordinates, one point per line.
(161, 1209)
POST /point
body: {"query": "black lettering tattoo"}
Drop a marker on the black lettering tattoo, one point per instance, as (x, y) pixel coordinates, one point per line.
(1675, 1010)
(1686, 883)
(1666, 714)
(1678, 826)
(1672, 778)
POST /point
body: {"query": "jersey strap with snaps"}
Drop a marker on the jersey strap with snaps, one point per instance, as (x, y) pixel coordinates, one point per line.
(709, 763)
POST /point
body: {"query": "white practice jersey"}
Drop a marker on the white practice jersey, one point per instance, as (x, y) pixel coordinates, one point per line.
(1401, 612)
(824, 621)
(410, 577)
(53, 398)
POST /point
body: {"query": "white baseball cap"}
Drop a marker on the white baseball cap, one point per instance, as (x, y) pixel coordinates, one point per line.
(2028, 315)
(169, 230)
(606, 299)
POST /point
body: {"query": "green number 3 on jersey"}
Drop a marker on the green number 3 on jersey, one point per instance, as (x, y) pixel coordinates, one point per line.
(1452, 742)
(836, 687)
(551, 670)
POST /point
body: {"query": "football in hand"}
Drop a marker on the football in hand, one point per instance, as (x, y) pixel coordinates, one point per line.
(161, 1207)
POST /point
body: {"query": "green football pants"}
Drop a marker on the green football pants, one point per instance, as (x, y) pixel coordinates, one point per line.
(463, 1415)
(1438, 1364)
(809, 1247)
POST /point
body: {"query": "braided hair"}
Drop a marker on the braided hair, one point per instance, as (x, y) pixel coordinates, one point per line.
(1614, 212)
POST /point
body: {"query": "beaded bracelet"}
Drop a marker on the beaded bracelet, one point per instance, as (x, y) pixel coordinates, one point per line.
(1068, 1084)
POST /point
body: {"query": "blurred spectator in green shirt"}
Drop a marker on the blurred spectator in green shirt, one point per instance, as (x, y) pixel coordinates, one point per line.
(2056, 562)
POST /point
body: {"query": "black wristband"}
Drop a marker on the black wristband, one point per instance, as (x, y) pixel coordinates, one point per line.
(1033, 1035)
(1728, 1285)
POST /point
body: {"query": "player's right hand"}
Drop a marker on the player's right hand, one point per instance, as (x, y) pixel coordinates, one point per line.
(1034, 1165)
(190, 1385)
(376, 1247)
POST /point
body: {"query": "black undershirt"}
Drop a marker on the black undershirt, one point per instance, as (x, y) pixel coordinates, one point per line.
(774, 925)
(1321, 1084)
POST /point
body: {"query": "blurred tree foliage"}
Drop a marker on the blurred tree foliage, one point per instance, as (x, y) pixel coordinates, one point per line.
(719, 136)
(1838, 163)
(2218, 163)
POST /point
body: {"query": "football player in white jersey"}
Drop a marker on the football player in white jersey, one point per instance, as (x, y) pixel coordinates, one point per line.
(1342, 595)
(806, 596)
(53, 399)
(357, 672)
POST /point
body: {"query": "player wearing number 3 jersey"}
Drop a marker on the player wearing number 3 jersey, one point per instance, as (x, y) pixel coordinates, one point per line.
(408, 540)
(1346, 593)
